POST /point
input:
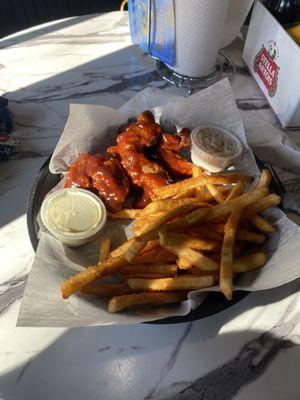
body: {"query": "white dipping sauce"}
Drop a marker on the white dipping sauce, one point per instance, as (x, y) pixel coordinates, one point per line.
(73, 216)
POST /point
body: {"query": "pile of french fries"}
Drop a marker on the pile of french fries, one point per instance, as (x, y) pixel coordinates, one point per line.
(192, 236)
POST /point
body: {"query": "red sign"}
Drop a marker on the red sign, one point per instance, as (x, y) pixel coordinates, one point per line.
(267, 70)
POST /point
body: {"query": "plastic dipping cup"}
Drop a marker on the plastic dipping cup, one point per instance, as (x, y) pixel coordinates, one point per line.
(73, 216)
(214, 148)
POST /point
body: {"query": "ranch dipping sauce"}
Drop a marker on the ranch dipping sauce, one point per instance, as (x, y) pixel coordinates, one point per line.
(213, 148)
(73, 216)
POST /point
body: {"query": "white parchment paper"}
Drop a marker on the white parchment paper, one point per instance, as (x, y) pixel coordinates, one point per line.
(91, 127)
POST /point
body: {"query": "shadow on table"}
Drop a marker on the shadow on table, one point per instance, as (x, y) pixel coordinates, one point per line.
(24, 35)
(140, 361)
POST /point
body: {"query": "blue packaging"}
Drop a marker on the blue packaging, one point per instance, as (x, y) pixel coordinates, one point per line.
(152, 27)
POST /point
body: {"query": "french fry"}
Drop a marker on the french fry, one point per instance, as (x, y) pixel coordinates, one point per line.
(170, 284)
(104, 250)
(152, 245)
(262, 224)
(218, 211)
(169, 204)
(236, 191)
(206, 232)
(160, 269)
(156, 256)
(203, 195)
(271, 200)
(239, 202)
(121, 249)
(191, 242)
(251, 237)
(119, 303)
(226, 269)
(183, 263)
(186, 194)
(170, 190)
(126, 213)
(194, 257)
(90, 274)
(145, 220)
(197, 171)
(240, 265)
(199, 191)
(265, 179)
(216, 193)
(134, 249)
(100, 290)
(250, 262)
(146, 276)
(244, 235)
(150, 231)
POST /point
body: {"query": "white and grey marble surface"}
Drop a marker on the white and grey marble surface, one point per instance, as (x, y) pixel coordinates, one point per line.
(250, 351)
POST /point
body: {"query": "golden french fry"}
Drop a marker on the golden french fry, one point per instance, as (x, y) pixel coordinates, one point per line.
(151, 245)
(271, 200)
(119, 303)
(218, 211)
(199, 191)
(186, 194)
(216, 193)
(239, 202)
(226, 269)
(243, 234)
(121, 249)
(197, 171)
(240, 265)
(194, 257)
(251, 237)
(236, 191)
(250, 262)
(134, 249)
(262, 224)
(126, 213)
(203, 195)
(170, 190)
(183, 263)
(170, 284)
(162, 269)
(183, 240)
(90, 274)
(265, 179)
(156, 256)
(100, 290)
(150, 231)
(104, 250)
(146, 276)
(145, 220)
(169, 204)
(206, 232)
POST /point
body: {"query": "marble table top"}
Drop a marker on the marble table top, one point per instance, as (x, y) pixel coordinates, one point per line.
(250, 351)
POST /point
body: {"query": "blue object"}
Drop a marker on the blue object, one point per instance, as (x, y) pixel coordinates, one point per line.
(152, 27)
